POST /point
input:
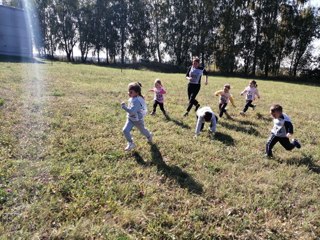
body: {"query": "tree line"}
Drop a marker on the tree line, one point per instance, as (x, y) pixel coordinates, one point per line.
(249, 36)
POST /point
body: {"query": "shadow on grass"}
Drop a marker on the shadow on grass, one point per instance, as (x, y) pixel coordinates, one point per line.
(177, 122)
(184, 179)
(224, 138)
(246, 122)
(262, 117)
(306, 160)
(246, 129)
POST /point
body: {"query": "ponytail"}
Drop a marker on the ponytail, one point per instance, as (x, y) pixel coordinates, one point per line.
(136, 86)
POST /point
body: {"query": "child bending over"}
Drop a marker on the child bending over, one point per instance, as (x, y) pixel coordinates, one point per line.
(205, 114)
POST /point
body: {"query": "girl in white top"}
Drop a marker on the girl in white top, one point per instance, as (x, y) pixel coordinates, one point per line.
(251, 92)
(136, 111)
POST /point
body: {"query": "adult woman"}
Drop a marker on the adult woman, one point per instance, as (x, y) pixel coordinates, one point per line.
(194, 76)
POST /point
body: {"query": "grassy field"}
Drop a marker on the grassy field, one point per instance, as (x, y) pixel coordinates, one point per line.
(64, 174)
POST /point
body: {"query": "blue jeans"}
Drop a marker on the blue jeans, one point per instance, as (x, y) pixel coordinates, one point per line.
(138, 124)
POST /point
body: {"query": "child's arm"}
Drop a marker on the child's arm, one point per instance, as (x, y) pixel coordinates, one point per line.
(243, 92)
(289, 128)
(217, 93)
(231, 100)
(198, 125)
(151, 90)
(213, 124)
(131, 110)
(163, 91)
(257, 93)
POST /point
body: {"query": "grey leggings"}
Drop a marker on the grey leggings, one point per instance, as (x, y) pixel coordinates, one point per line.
(138, 124)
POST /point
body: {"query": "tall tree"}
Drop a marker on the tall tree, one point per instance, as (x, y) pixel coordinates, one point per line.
(305, 28)
(65, 11)
(138, 27)
(85, 26)
(227, 46)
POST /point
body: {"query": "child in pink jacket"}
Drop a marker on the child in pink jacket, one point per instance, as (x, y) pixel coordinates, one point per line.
(158, 91)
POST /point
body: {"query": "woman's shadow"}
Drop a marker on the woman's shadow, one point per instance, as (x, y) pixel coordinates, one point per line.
(177, 122)
(184, 179)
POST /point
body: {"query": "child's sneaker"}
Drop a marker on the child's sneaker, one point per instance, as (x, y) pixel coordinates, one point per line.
(186, 114)
(130, 146)
(296, 143)
(268, 156)
(150, 138)
(197, 107)
(242, 113)
(152, 113)
(253, 107)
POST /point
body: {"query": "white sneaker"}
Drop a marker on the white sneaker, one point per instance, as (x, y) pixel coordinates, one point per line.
(150, 138)
(130, 146)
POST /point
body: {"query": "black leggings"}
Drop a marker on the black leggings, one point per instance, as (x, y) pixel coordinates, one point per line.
(222, 108)
(155, 104)
(273, 139)
(193, 90)
(248, 104)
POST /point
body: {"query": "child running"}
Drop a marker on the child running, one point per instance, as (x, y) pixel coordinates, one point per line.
(251, 92)
(158, 91)
(136, 110)
(281, 131)
(205, 114)
(225, 97)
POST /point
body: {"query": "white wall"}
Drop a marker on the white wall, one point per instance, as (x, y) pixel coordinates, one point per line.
(15, 39)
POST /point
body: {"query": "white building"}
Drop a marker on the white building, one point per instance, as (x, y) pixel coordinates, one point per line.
(15, 38)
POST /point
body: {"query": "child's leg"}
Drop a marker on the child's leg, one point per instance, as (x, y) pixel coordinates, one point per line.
(222, 107)
(272, 140)
(162, 108)
(155, 104)
(285, 142)
(141, 127)
(248, 104)
(127, 129)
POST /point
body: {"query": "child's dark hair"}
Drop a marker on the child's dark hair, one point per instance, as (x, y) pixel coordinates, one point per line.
(254, 83)
(227, 86)
(207, 116)
(158, 81)
(276, 108)
(135, 86)
(196, 59)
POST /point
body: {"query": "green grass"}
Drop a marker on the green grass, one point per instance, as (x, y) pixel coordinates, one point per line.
(64, 174)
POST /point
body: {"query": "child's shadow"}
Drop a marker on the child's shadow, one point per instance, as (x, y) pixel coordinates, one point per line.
(184, 179)
(306, 160)
(177, 122)
(224, 138)
(264, 118)
(247, 129)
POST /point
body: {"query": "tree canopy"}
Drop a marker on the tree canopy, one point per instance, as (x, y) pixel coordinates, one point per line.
(234, 35)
